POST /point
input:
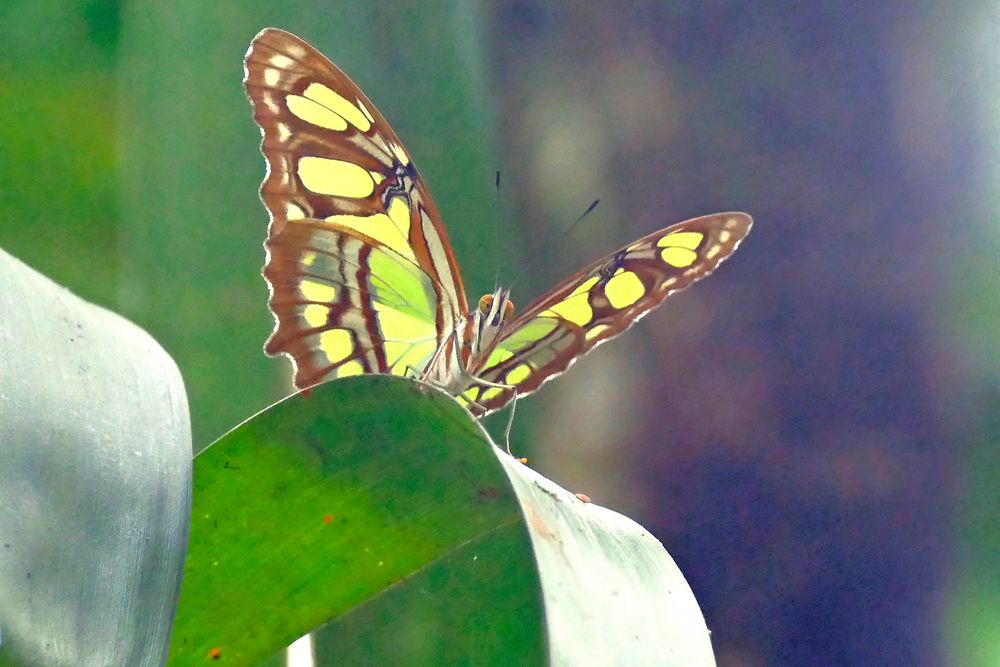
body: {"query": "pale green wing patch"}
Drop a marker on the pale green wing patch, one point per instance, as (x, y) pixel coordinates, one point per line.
(344, 304)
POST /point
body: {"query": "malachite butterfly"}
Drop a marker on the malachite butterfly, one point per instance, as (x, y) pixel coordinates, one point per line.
(361, 274)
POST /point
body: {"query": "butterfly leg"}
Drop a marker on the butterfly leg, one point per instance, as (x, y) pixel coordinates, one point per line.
(510, 419)
(424, 374)
(513, 405)
(506, 431)
(477, 406)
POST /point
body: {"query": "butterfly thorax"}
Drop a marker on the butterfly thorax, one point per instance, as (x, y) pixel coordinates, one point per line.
(493, 311)
(469, 347)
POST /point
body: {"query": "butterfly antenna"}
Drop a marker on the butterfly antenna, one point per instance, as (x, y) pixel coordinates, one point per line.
(534, 257)
(496, 239)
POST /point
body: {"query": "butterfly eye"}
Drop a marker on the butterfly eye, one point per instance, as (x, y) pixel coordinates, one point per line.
(484, 303)
(508, 310)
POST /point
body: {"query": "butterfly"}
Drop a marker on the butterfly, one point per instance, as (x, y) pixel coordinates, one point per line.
(361, 274)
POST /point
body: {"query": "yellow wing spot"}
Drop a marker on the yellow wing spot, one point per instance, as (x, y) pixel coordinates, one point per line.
(595, 331)
(679, 257)
(315, 315)
(339, 105)
(377, 176)
(724, 235)
(380, 227)
(401, 155)
(308, 258)
(498, 355)
(468, 395)
(281, 62)
(584, 287)
(293, 211)
(491, 393)
(365, 111)
(335, 177)
(575, 307)
(527, 334)
(689, 240)
(518, 374)
(319, 292)
(667, 284)
(380, 141)
(336, 344)
(272, 77)
(315, 113)
(399, 213)
(296, 51)
(712, 251)
(352, 367)
(623, 289)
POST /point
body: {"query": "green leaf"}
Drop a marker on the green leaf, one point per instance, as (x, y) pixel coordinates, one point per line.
(95, 481)
(375, 510)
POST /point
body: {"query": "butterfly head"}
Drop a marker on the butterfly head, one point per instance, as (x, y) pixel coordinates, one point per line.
(496, 307)
(493, 310)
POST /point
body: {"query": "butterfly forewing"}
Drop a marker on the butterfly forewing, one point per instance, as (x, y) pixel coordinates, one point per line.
(332, 157)
(601, 301)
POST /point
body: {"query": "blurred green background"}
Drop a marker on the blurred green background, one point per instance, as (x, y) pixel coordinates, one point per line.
(812, 432)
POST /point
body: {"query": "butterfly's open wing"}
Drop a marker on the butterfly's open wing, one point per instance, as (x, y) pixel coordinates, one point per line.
(332, 157)
(601, 301)
(346, 304)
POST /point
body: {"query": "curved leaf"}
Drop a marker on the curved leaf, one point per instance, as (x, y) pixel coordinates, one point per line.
(375, 510)
(95, 481)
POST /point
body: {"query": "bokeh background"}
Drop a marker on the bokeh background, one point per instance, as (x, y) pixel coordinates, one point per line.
(812, 432)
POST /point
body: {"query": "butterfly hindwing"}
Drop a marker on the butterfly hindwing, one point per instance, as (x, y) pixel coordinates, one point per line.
(603, 300)
(346, 304)
(332, 157)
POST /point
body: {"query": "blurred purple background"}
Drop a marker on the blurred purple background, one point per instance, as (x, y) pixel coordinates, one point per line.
(789, 431)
